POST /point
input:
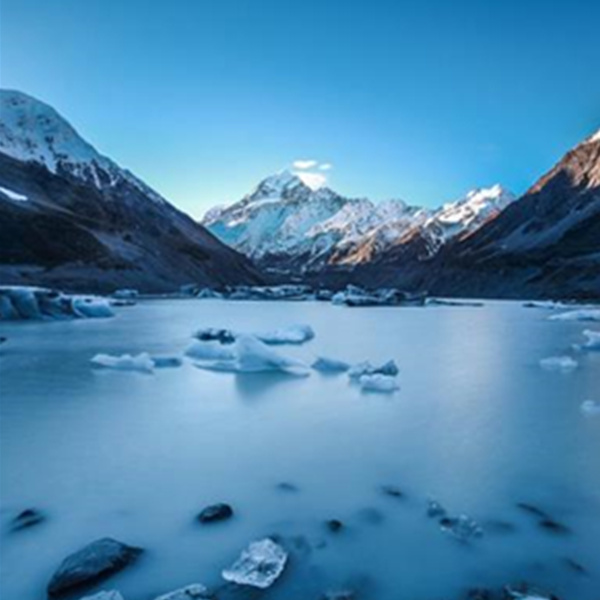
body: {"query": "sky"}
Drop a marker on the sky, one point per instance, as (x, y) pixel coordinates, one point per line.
(415, 99)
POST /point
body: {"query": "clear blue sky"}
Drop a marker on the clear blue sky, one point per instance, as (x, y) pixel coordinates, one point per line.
(420, 99)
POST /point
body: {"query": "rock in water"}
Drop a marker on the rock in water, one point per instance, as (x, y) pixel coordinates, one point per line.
(95, 561)
(110, 595)
(195, 590)
(215, 512)
(259, 565)
(27, 518)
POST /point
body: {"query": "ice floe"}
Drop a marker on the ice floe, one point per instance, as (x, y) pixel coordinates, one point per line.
(329, 365)
(355, 296)
(463, 527)
(584, 314)
(592, 342)
(559, 363)
(252, 355)
(378, 383)
(21, 302)
(259, 565)
(294, 334)
(590, 407)
(125, 362)
(213, 350)
(366, 368)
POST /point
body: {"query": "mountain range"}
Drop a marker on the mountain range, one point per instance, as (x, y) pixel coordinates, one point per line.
(71, 217)
(285, 224)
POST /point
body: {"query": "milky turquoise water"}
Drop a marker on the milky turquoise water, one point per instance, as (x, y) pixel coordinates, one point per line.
(478, 425)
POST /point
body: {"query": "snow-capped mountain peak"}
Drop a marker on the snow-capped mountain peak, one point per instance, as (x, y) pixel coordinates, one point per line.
(32, 131)
(284, 220)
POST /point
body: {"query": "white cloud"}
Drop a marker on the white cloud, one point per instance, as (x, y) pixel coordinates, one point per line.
(312, 180)
(304, 164)
(325, 166)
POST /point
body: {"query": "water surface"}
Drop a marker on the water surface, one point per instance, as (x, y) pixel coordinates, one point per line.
(477, 425)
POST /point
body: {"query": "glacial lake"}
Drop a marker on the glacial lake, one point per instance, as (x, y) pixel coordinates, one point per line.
(477, 425)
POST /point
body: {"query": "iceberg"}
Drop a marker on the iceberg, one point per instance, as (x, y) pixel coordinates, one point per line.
(294, 334)
(21, 302)
(356, 296)
(250, 355)
(366, 368)
(559, 363)
(126, 362)
(590, 407)
(329, 365)
(210, 351)
(378, 383)
(593, 340)
(589, 314)
(259, 565)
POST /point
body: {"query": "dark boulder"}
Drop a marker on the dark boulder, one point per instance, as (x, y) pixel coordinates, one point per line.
(87, 566)
(215, 512)
(27, 518)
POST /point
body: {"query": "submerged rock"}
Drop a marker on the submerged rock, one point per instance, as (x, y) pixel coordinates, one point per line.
(435, 509)
(339, 595)
(334, 525)
(532, 510)
(286, 486)
(27, 518)
(463, 527)
(215, 512)
(259, 565)
(392, 491)
(553, 526)
(190, 592)
(92, 563)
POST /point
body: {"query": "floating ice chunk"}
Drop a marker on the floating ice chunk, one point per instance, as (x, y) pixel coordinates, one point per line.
(590, 407)
(259, 565)
(252, 355)
(166, 362)
(195, 590)
(294, 334)
(435, 509)
(91, 307)
(126, 362)
(590, 314)
(216, 334)
(593, 340)
(559, 363)
(463, 527)
(366, 368)
(110, 595)
(378, 383)
(210, 351)
(329, 365)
